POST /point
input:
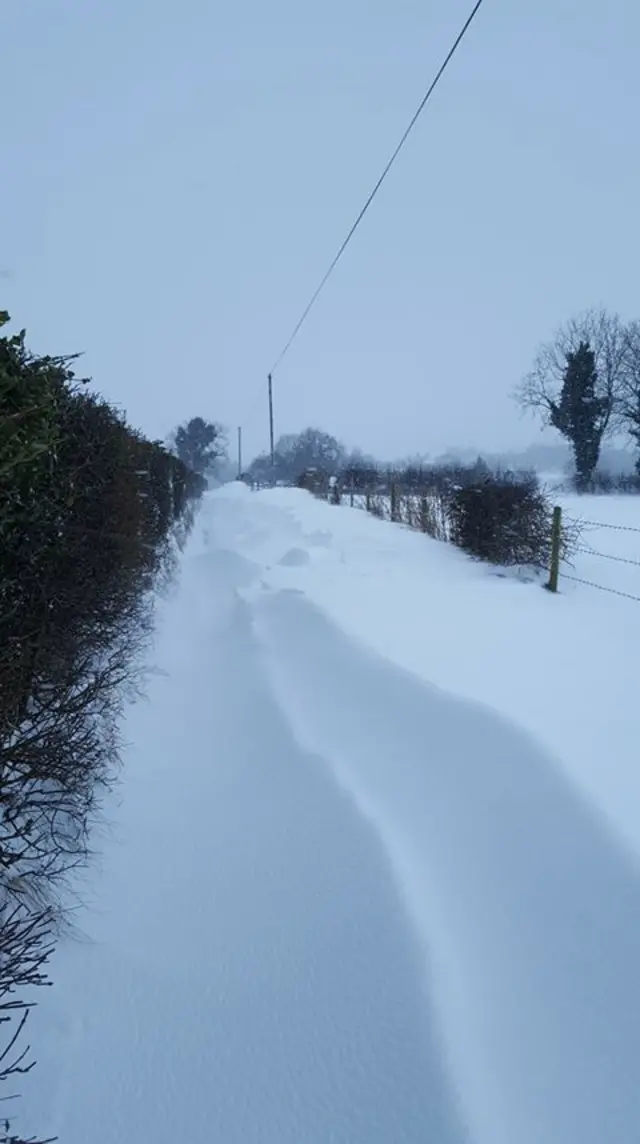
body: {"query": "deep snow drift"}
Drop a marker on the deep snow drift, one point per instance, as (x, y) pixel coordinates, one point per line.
(341, 903)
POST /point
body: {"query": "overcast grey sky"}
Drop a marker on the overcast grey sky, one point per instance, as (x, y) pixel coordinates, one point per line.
(178, 176)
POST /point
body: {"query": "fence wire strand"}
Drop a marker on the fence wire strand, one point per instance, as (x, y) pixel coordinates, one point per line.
(600, 524)
(586, 550)
(607, 556)
(600, 587)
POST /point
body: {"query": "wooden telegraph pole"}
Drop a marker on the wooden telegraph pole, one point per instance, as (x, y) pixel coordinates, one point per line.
(239, 451)
(271, 440)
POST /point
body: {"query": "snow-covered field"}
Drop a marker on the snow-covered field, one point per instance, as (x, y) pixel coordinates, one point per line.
(374, 878)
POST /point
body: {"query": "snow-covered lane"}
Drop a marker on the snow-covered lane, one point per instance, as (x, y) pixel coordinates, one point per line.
(341, 904)
(528, 905)
(251, 974)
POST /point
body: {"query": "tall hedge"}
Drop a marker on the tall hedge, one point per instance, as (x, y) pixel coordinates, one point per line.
(90, 516)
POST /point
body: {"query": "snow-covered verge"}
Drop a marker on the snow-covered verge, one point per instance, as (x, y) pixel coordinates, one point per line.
(560, 666)
(374, 875)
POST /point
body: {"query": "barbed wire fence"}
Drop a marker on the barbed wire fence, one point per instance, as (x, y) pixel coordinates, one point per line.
(418, 510)
(580, 546)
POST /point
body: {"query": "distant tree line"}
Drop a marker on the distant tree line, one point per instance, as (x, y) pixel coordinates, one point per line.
(91, 517)
(585, 383)
(298, 453)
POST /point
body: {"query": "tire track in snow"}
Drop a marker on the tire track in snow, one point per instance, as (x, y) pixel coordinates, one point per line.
(529, 912)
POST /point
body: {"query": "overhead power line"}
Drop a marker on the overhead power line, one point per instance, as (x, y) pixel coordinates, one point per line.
(314, 297)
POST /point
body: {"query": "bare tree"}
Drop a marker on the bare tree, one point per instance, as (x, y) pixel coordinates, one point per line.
(607, 339)
(629, 403)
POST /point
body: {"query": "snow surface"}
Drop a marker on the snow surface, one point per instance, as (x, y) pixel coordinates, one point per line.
(374, 875)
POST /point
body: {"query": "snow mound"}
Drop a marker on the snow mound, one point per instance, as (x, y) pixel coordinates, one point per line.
(295, 558)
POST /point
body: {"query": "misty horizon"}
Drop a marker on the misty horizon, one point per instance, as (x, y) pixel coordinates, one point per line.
(181, 180)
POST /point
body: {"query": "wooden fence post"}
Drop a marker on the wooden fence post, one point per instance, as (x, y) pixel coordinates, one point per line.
(556, 541)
